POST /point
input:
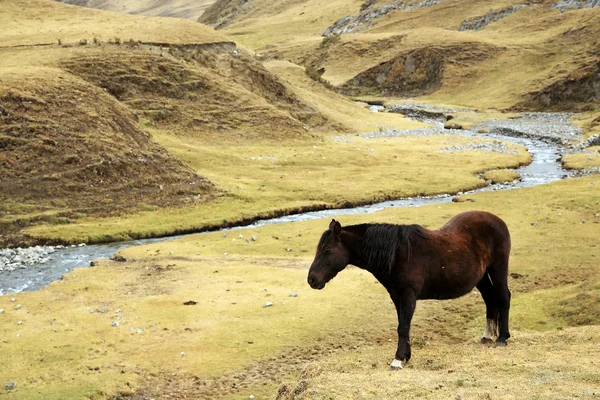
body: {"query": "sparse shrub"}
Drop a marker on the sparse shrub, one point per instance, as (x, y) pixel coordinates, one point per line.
(71, 159)
(59, 42)
(366, 4)
(330, 40)
(162, 115)
(59, 203)
(96, 41)
(83, 42)
(313, 74)
(146, 207)
(49, 142)
(51, 219)
(24, 221)
(77, 215)
(118, 40)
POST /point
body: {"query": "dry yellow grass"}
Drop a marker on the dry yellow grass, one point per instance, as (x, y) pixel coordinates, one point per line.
(188, 9)
(229, 338)
(269, 177)
(37, 22)
(589, 159)
(555, 365)
(355, 116)
(507, 64)
(502, 176)
(287, 20)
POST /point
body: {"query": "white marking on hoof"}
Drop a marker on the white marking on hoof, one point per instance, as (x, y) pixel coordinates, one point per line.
(491, 329)
(396, 364)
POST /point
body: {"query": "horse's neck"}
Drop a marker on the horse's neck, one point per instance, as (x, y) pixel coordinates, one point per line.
(353, 237)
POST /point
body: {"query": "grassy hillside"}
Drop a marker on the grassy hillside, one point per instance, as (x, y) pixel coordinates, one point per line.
(228, 346)
(521, 56)
(36, 22)
(188, 9)
(82, 88)
(202, 99)
(69, 147)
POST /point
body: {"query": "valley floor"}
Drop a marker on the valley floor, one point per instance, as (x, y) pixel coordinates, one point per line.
(122, 329)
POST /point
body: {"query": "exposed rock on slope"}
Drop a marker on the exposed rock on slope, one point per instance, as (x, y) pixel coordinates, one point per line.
(415, 72)
(579, 91)
(222, 12)
(481, 22)
(373, 11)
(567, 5)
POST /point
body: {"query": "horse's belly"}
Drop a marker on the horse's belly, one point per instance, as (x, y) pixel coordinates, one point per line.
(450, 286)
(445, 293)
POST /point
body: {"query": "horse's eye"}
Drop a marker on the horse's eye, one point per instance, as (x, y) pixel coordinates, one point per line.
(327, 252)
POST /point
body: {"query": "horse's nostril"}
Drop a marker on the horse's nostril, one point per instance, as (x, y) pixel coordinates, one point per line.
(311, 281)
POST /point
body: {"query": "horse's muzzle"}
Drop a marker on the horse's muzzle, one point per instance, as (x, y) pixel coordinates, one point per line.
(314, 283)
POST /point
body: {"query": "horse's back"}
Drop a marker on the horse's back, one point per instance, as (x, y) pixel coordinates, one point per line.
(480, 224)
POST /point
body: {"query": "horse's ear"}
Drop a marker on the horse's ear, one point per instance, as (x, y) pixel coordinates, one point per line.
(335, 227)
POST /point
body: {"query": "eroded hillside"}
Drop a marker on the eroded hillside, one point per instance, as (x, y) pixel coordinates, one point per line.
(78, 99)
(525, 55)
(68, 145)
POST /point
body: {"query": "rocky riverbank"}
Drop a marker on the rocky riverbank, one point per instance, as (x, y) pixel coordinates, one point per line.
(21, 258)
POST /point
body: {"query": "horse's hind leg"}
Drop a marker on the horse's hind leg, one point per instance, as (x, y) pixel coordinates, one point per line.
(486, 289)
(498, 274)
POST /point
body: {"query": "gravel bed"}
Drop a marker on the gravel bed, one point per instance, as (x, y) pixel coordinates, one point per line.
(19, 258)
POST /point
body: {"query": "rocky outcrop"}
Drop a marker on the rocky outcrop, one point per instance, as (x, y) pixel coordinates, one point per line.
(372, 12)
(481, 22)
(579, 91)
(568, 5)
(416, 72)
(222, 12)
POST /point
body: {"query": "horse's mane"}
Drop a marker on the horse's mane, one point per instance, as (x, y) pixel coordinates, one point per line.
(382, 241)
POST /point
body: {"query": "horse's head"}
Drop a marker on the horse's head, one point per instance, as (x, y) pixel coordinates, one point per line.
(331, 257)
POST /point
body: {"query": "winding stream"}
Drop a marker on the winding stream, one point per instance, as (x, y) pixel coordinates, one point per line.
(544, 168)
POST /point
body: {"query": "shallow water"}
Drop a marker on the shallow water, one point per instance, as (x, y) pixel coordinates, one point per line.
(544, 168)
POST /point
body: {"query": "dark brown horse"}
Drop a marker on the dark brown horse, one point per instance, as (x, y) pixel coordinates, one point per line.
(415, 263)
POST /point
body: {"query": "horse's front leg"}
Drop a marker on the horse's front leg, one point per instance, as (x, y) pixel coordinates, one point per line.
(405, 303)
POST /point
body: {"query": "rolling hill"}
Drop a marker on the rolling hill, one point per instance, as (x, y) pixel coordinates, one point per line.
(188, 9)
(79, 97)
(531, 55)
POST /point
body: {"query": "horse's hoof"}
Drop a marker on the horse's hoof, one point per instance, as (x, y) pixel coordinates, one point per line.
(396, 365)
(500, 343)
(485, 340)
